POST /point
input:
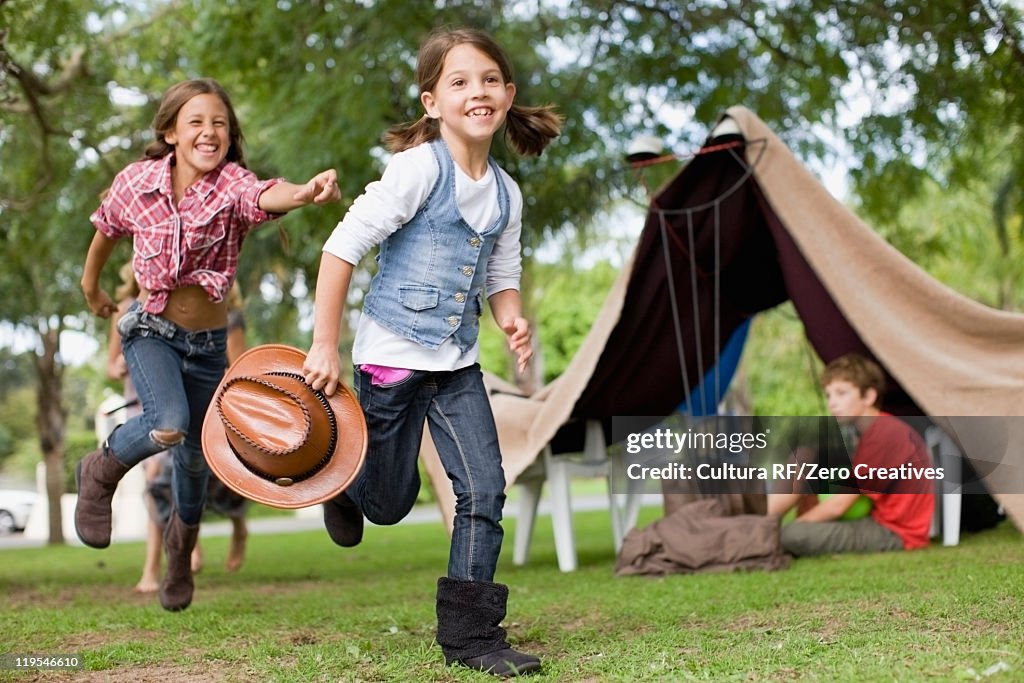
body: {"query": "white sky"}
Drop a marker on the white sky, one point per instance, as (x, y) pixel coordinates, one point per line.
(76, 347)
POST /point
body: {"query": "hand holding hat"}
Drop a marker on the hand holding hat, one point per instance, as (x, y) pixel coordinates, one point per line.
(274, 439)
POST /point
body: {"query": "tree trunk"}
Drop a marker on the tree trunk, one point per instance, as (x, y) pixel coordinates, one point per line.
(51, 419)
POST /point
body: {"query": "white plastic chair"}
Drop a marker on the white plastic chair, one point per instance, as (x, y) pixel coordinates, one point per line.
(946, 455)
(558, 471)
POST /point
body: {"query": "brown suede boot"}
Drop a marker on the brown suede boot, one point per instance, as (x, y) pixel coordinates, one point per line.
(96, 477)
(177, 586)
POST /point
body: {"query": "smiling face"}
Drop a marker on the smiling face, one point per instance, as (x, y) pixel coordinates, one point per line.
(471, 97)
(201, 137)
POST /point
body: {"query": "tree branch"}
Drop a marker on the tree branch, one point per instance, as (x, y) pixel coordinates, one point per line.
(34, 89)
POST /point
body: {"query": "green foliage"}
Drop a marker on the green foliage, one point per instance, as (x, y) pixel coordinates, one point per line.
(494, 354)
(562, 309)
(949, 232)
(77, 445)
(780, 367)
(18, 412)
(47, 189)
(567, 302)
(7, 443)
(943, 78)
(22, 462)
(25, 456)
(15, 371)
(926, 95)
(337, 76)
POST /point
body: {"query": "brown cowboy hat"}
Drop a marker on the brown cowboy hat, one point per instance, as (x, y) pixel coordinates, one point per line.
(272, 438)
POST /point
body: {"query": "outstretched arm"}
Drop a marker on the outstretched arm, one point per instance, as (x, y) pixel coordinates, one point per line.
(322, 368)
(283, 197)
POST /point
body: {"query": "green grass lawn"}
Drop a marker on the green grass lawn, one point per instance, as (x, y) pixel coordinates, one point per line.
(304, 610)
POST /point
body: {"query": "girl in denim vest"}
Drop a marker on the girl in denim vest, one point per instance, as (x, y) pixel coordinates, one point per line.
(188, 205)
(448, 221)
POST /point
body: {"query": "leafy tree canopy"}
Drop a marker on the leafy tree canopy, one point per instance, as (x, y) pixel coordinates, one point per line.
(920, 95)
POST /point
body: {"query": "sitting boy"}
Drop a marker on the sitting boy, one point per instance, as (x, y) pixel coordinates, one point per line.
(902, 509)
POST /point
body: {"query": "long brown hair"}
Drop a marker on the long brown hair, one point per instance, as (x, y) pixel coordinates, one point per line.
(172, 102)
(528, 129)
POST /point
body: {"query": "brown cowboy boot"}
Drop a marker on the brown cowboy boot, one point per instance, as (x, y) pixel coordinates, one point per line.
(96, 477)
(177, 586)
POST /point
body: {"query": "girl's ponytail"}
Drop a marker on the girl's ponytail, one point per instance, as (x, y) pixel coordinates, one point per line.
(530, 129)
(407, 135)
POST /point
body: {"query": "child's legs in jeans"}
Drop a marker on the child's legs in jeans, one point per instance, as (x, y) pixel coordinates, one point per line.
(202, 370)
(189, 481)
(154, 364)
(462, 426)
(389, 483)
(175, 373)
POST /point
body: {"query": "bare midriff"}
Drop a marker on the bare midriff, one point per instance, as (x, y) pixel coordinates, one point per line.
(190, 308)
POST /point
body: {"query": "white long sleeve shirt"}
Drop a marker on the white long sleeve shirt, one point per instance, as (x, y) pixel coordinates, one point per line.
(388, 204)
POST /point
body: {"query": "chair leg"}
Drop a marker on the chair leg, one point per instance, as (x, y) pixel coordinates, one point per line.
(624, 499)
(951, 519)
(946, 455)
(561, 511)
(949, 457)
(931, 440)
(529, 492)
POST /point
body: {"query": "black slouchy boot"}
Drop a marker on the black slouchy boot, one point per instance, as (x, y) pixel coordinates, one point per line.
(469, 631)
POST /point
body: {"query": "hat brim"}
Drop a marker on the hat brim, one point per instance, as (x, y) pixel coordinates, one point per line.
(339, 472)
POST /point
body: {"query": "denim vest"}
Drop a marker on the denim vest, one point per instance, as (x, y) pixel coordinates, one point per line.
(433, 269)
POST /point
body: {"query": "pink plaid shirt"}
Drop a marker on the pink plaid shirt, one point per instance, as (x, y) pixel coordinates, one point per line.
(194, 243)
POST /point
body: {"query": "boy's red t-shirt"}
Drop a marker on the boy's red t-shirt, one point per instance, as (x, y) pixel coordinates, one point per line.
(904, 505)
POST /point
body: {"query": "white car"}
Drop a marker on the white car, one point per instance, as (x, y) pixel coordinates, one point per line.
(15, 507)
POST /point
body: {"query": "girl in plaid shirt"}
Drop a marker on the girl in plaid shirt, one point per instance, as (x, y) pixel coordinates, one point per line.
(188, 205)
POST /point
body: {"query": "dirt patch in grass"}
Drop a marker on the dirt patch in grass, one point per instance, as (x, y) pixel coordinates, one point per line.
(304, 638)
(26, 597)
(745, 623)
(824, 622)
(89, 641)
(566, 621)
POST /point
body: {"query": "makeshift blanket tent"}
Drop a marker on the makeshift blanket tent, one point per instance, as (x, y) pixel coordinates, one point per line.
(740, 230)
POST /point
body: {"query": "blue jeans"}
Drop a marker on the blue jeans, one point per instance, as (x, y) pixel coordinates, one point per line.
(462, 426)
(175, 373)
